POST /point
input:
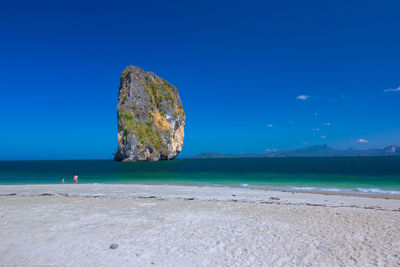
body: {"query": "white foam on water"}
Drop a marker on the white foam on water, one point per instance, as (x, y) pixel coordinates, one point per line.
(378, 191)
(311, 188)
(329, 189)
(335, 190)
(302, 188)
(349, 190)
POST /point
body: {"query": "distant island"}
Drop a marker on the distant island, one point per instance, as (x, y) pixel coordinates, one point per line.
(310, 151)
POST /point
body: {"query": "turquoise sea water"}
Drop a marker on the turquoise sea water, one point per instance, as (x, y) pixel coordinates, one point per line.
(357, 174)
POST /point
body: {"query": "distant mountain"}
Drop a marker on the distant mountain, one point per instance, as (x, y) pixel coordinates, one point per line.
(310, 151)
(214, 155)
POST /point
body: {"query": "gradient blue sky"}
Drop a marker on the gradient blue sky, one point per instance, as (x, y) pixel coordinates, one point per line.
(239, 67)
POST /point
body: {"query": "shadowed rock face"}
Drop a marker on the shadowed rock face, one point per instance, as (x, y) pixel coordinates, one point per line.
(150, 116)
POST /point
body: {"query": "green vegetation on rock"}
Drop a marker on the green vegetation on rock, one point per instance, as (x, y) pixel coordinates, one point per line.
(150, 110)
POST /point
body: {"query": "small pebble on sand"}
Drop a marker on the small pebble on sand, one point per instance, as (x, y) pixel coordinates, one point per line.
(114, 246)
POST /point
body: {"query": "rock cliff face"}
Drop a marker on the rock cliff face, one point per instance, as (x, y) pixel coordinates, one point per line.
(150, 116)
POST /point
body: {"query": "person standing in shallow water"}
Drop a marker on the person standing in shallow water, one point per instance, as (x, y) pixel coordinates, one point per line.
(62, 180)
(75, 178)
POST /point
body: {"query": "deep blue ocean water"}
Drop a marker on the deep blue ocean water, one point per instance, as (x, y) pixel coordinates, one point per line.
(356, 174)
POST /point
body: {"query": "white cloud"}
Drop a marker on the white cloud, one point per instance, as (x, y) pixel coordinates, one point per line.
(270, 150)
(392, 90)
(323, 137)
(316, 129)
(345, 96)
(316, 114)
(270, 125)
(327, 124)
(303, 97)
(362, 140)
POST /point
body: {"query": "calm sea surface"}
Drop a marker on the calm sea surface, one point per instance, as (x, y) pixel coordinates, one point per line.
(358, 174)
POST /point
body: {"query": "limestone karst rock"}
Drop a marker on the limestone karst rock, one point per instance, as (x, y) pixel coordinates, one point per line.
(150, 117)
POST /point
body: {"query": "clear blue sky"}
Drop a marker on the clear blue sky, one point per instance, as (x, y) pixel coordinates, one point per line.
(240, 67)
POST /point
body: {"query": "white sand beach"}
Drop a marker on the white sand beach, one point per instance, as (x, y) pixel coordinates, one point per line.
(158, 225)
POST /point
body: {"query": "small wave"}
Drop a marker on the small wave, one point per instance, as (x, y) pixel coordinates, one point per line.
(220, 185)
(315, 188)
(378, 191)
(321, 189)
(303, 188)
(348, 190)
(335, 190)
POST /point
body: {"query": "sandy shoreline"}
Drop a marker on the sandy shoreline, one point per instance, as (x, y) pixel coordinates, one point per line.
(329, 199)
(74, 225)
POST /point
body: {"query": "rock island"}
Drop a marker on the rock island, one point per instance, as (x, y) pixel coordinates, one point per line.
(151, 118)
